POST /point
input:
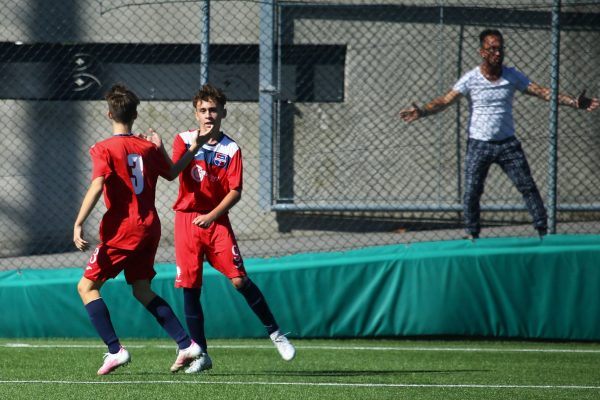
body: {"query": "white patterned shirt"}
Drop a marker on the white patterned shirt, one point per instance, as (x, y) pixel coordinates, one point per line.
(490, 103)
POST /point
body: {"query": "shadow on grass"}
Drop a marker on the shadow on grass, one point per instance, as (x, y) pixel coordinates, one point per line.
(342, 373)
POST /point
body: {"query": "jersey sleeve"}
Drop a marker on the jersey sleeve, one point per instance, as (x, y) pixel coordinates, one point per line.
(234, 172)
(101, 165)
(179, 148)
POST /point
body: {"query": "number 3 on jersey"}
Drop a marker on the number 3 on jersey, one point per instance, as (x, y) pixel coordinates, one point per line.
(136, 164)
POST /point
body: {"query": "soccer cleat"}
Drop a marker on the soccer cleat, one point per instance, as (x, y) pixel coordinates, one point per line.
(286, 350)
(114, 361)
(204, 363)
(186, 356)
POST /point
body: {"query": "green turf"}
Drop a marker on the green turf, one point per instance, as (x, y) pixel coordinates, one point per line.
(323, 369)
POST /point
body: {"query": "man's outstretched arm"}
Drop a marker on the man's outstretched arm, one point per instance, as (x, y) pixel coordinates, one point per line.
(580, 102)
(434, 106)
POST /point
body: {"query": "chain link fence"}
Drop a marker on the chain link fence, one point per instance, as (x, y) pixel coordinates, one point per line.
(314, 92)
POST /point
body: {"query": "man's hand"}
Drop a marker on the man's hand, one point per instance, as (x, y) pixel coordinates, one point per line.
(586, 103)
(152, 136)
(433, 107)
(411, 114)
(203, 138)
(78, 239)
(203, 221)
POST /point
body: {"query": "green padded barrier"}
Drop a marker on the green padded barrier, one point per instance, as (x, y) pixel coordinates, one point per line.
(499, 287)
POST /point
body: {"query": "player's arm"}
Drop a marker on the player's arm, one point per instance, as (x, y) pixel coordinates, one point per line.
(433, 107)
(580, 102)
(89, 202)
(223, 207)
(187, 157)
(175, 168)
(155, 138)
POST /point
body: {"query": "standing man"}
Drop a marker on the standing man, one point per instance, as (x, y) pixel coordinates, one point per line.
(126, 169)
(490, 89)
(208, 188)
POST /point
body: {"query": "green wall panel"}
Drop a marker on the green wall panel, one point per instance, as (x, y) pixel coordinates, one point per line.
(502, 287)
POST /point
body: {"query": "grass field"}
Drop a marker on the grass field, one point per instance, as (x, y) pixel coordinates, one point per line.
(323, 369)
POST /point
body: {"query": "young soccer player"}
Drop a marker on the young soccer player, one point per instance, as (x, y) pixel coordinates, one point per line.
(208, 188)
(126, 169)
(490, 88)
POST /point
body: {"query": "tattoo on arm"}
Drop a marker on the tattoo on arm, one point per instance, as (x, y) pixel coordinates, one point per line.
(439, 103)
(544, 93)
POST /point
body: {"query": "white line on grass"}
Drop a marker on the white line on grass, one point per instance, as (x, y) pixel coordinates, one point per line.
(339, 384)
(380, 348)
(326, 347)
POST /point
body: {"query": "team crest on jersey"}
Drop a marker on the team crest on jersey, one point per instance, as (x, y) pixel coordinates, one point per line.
(220, 159)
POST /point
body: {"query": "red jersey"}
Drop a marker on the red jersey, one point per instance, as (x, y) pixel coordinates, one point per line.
(214, 172)
(130, 166)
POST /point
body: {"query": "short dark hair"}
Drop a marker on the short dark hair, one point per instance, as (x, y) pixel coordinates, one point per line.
(210, 92)
(489, 32)
(122, 104)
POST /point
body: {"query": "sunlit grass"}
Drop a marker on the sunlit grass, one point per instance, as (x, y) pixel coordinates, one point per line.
(323, 369)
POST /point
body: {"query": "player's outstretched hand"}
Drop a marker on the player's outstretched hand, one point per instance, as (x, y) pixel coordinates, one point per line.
(153, 137)
(410, 114)
(78, 239)
(586, 103)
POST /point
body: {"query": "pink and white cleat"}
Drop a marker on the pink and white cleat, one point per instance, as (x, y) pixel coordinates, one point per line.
(114, 361)
(186, 356)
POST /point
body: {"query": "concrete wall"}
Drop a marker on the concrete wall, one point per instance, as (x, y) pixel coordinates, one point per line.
(356, 151)
(45, 144)
(391, 63)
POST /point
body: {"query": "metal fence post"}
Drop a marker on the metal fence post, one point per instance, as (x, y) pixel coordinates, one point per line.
(552, 154)
(265, 103)
(205, 42)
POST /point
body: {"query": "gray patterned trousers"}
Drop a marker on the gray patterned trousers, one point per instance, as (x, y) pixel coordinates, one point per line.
(509, 155)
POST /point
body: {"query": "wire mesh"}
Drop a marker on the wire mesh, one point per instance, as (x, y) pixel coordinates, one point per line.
(344, 170)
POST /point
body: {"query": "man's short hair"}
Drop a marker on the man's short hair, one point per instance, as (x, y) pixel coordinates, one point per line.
(209, 92)
(489, 32)
(122, 104)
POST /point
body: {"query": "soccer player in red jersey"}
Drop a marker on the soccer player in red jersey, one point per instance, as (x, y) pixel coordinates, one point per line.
(126, 169)
(208, 188)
